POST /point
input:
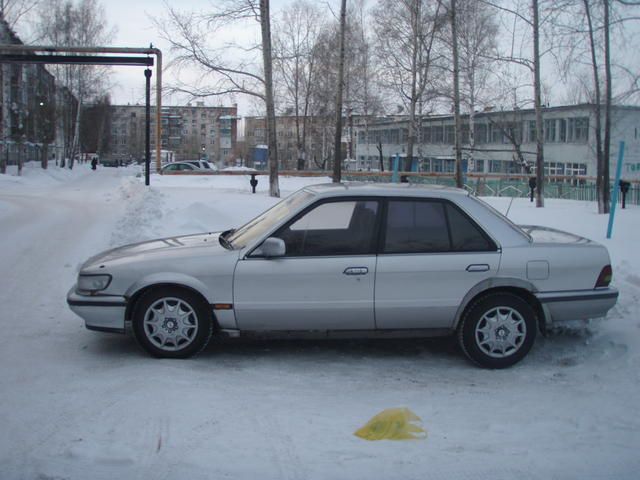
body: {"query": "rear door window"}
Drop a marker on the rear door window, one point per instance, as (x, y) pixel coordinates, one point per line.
(428, 226)
(416, 226)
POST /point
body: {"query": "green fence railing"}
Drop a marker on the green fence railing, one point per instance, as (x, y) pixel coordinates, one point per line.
(509, 187)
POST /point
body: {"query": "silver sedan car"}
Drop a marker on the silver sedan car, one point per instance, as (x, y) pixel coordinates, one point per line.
(361, 260)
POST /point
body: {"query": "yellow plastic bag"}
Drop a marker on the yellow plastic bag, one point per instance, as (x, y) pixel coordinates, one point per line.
(393, 424)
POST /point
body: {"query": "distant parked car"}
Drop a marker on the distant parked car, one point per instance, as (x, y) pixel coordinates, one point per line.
(202, 164)
(189, 166)
(352, 261)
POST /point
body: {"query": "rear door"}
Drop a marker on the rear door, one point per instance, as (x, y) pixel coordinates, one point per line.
(431, 254)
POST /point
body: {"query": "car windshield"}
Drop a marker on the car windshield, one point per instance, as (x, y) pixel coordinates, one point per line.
(263, 223)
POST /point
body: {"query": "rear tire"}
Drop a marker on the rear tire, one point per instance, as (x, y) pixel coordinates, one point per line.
(170, 322)
(497, 330)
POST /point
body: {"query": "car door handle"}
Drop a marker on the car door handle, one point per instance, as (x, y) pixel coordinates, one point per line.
(356, 271)
(478, 267)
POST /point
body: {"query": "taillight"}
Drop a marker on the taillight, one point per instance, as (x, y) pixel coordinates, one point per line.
(604, 279)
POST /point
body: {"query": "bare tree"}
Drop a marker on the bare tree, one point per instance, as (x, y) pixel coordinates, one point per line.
(295, 63)
(477, 34)
(231, 69)
(532, 62)
(81, 24)
(588, 61)
(15, 11)
(405, 38)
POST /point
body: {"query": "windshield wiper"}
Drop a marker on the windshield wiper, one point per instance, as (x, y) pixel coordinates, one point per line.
(223, 239)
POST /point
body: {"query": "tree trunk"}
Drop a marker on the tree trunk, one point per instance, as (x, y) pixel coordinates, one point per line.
(456, 96)
(598, 112)
(265, 26)
(44, 160)
(415, 45)
(337, 154)
(538, 107)
(75, 144)
(471, 164)
(607, 112)
(6, 116)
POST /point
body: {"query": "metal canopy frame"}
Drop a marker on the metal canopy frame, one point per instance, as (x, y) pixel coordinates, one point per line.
(41, 54)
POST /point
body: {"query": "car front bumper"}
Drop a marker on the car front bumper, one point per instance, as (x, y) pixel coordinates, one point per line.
(99, 312)
(577, 304)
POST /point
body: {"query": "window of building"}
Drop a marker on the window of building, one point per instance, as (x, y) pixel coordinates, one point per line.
(578, 130)
(394, 136)
(496, 133)
(495, 166)
(550, 130)
(480, 133)
(532, 131)
(437, 134)
(562, 130)
(425, 135)
(553, 168)
(405, 135)
(450, 135)
(576, 169)
(464, 133)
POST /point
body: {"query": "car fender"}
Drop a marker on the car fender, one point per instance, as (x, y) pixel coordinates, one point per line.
(170, 278)
(490, 284)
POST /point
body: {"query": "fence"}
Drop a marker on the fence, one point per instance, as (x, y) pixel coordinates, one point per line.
(570, 188)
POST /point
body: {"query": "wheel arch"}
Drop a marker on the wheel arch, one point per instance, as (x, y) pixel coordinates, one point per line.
(151, 283)
(515, 286)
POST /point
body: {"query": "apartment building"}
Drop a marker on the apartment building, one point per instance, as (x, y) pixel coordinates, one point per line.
(190, 131)
(37, 115)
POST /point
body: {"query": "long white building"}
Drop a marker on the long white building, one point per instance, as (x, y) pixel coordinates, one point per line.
(569, 142)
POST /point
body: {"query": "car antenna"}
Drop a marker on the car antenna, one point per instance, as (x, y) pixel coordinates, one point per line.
(509, 208)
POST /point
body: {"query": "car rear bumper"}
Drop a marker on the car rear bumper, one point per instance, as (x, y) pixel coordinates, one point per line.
(577, 304)
(101, 313)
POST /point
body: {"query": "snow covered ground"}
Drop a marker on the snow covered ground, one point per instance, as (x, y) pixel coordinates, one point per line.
(76, 404)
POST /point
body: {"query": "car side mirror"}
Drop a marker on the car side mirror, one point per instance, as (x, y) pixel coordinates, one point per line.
(270, 248)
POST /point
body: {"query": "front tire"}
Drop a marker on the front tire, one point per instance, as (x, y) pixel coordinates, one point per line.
(172, 323)
(498, 330)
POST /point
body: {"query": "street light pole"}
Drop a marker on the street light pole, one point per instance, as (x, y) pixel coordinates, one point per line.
(147, 126)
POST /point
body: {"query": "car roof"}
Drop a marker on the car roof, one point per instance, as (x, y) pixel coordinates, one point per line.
(385, 189)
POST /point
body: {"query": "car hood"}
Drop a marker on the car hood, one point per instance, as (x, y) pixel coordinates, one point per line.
(550, 235)
(166, 247)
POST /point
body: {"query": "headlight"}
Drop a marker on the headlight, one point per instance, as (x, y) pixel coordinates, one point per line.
(93, 283)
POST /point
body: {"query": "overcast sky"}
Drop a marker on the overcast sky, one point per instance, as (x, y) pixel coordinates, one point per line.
(136, 29)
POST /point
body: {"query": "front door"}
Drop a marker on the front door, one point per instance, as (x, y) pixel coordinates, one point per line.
(325, 281)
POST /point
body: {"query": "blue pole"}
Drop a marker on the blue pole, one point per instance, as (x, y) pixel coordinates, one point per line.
(395, 178)
(614, 197)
